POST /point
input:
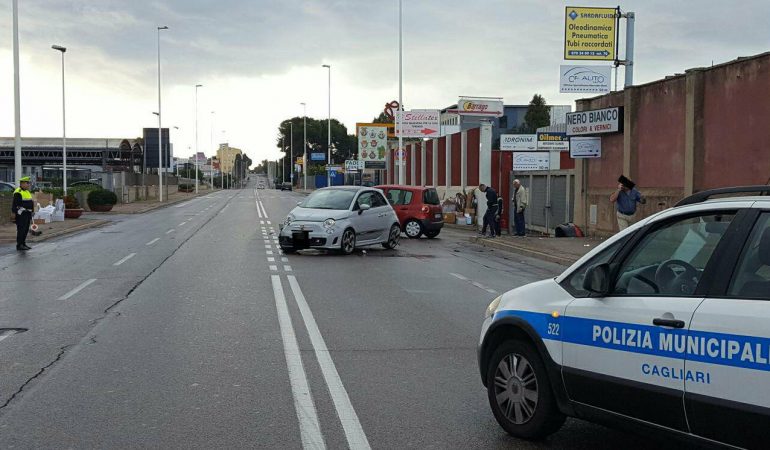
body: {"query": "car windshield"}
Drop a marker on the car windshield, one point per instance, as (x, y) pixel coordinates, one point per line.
(329, 199)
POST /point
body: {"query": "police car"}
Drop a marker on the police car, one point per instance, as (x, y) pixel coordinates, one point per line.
(664, 326)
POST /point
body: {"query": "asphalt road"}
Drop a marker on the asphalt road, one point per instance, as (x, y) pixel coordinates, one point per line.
(186, 328)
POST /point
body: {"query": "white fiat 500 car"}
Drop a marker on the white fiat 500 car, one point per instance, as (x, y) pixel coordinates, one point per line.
(665, 326)
(340, 218)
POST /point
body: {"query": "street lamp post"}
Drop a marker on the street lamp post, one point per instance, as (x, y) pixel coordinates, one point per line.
(402, 166)
(160, 129)
(196, 136)
(16, 95)
(291, 151)
(63, 119)
(304, 148)
(211, 143)
(329, 126)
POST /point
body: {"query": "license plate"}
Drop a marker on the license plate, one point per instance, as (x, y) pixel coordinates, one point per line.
(437, 216)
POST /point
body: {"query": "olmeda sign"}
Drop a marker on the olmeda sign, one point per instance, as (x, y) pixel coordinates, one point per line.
(599, 121)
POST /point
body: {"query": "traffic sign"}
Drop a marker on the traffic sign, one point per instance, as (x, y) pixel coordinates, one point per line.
(418, 123)
(353, 165)
(590, 33)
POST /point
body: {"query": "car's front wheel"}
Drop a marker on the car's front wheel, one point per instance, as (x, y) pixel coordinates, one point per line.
(348, 243)
(393, 237)
(413, 229)
(519, 392)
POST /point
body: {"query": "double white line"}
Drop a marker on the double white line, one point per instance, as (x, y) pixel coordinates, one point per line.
(261, 210)
(310, 430)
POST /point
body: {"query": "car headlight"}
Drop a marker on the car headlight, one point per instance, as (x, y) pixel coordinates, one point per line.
(328, 223)
(289, 219)
(492, 308)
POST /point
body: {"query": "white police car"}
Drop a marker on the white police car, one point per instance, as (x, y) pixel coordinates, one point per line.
(664, 326)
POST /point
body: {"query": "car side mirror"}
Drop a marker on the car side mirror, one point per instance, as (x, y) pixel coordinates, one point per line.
(362, 208)
(299, 203)
(597, 279)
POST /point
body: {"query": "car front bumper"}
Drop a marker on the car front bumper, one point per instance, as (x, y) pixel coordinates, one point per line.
(304, 235)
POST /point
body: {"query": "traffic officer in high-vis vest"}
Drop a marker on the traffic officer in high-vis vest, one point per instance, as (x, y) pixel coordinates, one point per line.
(21, 212)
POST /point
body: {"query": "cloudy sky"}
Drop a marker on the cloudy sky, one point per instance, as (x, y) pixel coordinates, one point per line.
(258, 59)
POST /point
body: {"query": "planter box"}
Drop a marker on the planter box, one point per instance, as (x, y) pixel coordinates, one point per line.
(101, 208)
(73, 213)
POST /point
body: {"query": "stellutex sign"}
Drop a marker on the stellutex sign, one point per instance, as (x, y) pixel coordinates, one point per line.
(590, 33)
(598, 121)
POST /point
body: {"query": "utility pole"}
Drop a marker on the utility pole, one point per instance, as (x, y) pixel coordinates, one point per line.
(304, 148)
(160, 129)
(16, 95)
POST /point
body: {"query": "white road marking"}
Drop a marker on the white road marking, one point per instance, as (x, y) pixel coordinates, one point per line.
(474, 283)
(269, 252)
(287, 268)
(170, 231)
(152, 241)
(268, 222)
(284, 259)
(5, 334)
(309, 427)
(264, 211)
(348, 417)
(80, 287)
(183, 223)
(223, 209)
(259, 213)
(261, 222)
(273, 268)
(270, 259)
(130, 255)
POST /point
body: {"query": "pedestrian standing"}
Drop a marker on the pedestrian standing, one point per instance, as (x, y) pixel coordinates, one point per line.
(499, 215)
(21, 213)
(489, 216)
(625, 200)
(520, 199)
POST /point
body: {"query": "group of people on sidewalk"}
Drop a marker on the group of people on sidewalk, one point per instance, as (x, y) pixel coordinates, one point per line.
(492, 217)
(625, 198)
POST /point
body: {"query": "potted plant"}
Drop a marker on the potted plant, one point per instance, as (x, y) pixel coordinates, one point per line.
(101, 200)
(72, 209)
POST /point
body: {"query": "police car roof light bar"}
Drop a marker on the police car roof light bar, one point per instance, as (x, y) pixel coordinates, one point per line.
(702, 196)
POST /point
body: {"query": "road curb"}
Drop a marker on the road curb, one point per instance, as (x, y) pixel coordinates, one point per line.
(153, 207)
(94, 223)
(501, 245)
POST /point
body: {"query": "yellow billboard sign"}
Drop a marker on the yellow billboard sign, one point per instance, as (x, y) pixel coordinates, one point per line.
(590, 33)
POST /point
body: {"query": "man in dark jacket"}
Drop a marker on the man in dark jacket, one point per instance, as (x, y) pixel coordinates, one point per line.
(21, 212)
(489, 216)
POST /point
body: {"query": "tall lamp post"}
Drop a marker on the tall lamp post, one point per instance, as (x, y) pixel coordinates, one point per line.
(304, 145)
(402, 166)
(63, 50)
(291, 152)
(160, 129)
(211, 143)
(16, 95)
(329, 140)
(196, 136)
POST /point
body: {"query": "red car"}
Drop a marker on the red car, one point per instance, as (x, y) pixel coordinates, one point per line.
(418, 209)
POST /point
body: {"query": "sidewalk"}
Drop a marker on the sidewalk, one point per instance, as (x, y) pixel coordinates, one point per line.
(149, 205)
(564, 251)
(50, 230)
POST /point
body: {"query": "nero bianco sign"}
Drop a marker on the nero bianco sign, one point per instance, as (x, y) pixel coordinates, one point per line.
(524, 161)
(584, 79)
(468, 106)
(585, 147)
(518, 142)
(418, 123)
(599, 121)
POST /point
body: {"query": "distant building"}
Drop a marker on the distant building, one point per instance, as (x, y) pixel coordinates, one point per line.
(226, 156)
(42, 158)
(512, 118)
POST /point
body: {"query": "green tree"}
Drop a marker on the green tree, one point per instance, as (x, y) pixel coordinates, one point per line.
(538, 115)
(343, 144)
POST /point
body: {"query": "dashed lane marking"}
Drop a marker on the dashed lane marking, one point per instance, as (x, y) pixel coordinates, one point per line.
(80, 287)
(152, 241)
(126, 258)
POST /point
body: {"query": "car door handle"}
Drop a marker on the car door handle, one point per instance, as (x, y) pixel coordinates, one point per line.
(673, 323)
